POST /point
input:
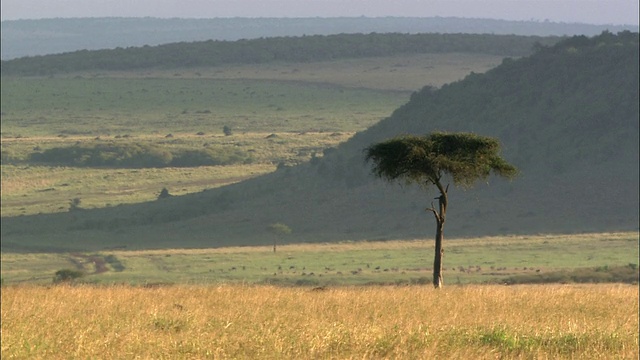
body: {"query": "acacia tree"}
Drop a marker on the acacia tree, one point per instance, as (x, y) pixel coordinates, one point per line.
(426, 160)
(278, 230)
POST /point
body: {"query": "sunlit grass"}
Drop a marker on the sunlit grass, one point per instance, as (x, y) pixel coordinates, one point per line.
(250, 322)
(30, 189)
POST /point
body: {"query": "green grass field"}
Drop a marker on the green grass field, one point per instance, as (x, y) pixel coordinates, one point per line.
(345, 95)
(126, 106)
(356, 263)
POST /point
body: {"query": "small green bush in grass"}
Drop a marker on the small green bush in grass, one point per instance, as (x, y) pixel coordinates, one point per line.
(114, 262)
(67, 275)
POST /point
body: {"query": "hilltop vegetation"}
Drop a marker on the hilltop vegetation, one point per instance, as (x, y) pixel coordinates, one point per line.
(268, 50)
(567, 117)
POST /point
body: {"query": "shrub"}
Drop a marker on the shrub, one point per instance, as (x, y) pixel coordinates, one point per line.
(116, 265)
(164, 193)
(74, 204)
(67, 275)
(135, 155)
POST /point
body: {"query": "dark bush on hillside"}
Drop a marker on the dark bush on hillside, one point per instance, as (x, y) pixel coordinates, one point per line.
(164, 193)
(191, 158)
(135, 156)
(115, 263)
(67, 275)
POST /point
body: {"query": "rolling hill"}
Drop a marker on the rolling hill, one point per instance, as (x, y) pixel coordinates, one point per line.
(567, 116)
(302, 49)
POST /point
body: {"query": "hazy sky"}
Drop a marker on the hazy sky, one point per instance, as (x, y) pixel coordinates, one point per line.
(616, 12)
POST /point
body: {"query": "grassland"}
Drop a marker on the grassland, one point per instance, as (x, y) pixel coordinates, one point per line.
(31, 189)
(111, 106)
(309, 107)
(466, 261)
(266, 322)
(345, 95)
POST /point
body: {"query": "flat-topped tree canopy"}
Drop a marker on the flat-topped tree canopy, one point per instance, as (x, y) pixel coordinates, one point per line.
(466, 157)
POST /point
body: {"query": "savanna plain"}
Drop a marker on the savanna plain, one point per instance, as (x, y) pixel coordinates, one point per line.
(506, 297)
(267, 322)
(323, 301)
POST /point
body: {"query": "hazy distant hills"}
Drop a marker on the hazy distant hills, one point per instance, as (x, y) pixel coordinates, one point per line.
(300, 49)
(51, 36)
(567, 116)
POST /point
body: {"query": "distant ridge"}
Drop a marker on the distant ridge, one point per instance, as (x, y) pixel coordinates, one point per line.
(52, 36)
(298, 49)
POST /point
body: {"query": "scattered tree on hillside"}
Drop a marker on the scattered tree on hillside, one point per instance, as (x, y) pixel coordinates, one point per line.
(278, 230)
(425, 160)
(164, 193)
(74, 204)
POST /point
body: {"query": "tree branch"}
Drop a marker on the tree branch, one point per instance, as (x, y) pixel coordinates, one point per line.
(434, 211)
(442, 190)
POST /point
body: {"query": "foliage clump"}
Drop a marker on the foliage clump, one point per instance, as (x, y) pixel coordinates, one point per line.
(164, 193)
(115, 263)
(423, 159)
(74, 204)
(278, 230)
(135, 155)
(67, 275)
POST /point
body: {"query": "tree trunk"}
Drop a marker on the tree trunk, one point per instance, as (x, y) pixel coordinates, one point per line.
(437, 261)
(440, 216)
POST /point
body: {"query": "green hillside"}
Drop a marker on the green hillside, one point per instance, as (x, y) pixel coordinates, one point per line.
(567, 116)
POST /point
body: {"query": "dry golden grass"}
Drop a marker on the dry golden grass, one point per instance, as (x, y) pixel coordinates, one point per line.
(262, 322)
